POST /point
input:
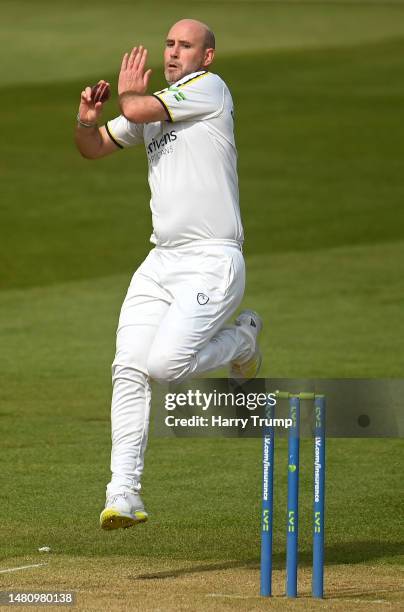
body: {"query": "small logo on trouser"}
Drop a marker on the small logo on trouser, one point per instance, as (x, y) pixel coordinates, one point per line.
(202, 299)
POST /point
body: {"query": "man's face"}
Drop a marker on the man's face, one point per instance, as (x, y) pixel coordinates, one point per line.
(184, 51)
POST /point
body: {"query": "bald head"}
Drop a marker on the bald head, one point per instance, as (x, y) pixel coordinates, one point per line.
(199, 29)
(190, 46)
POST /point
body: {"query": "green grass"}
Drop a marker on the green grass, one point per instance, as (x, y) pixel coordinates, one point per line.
(320, 133)
(203, 495)
(319, 149)
(75, 40)
(55, 431)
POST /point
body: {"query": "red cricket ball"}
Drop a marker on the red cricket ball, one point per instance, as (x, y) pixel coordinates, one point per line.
(100, 92)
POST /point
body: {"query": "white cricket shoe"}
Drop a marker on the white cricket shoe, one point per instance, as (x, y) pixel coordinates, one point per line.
(124, 510)
(242, 371)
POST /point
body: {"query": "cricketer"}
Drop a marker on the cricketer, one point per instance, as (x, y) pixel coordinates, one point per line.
(172, 323)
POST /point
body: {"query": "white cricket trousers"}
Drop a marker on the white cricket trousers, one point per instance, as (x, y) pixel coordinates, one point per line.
(171, 326)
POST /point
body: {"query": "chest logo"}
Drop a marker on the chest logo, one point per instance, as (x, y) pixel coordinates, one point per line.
(160, 142)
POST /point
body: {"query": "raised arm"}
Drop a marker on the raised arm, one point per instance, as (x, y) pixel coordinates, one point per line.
(91, 140)
(132, 86)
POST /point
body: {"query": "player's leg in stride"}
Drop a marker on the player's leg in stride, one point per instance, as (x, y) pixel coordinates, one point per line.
(248, 368)
(123, 509)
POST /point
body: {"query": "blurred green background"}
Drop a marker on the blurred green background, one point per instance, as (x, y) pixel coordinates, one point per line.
(319, 97)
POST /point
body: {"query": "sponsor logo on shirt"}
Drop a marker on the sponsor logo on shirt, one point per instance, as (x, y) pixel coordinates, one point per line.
(161, 145)
(178, 93)
(158, 143)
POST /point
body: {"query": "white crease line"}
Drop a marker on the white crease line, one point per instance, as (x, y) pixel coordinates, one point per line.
(16, 569)
(371, 601)
(231, 596)
(367, 601)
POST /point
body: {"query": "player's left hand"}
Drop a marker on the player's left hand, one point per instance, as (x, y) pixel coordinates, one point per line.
(133, 78)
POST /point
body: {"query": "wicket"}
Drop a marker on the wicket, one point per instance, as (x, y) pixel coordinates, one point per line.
(293, 496)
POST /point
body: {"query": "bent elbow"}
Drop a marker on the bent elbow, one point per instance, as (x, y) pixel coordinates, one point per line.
(87, 155)
(131, 114)
(131, 109)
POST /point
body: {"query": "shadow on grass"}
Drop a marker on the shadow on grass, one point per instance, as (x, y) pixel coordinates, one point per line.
(363, 552)
(196, 569)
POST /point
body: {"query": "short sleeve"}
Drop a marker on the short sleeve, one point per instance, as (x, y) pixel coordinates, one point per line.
(123, 132)
(197, 96)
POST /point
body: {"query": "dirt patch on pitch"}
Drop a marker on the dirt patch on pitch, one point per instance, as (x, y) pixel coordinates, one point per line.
(115, 584)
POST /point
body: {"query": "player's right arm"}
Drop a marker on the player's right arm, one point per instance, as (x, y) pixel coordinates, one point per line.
(91, 140)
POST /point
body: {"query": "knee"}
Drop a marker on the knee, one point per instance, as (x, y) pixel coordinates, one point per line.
(127, 373)
(163, 367)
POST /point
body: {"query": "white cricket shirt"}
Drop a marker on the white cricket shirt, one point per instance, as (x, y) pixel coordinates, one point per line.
(192, 162)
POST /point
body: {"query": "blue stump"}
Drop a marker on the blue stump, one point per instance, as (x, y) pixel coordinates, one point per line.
(319, 495)
(293, 498)
(267, 505)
